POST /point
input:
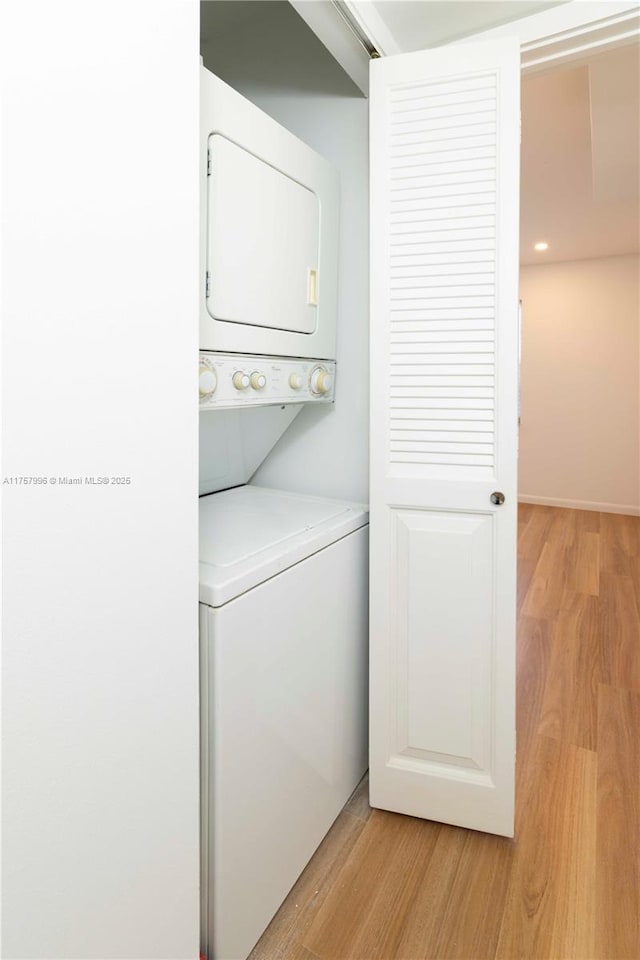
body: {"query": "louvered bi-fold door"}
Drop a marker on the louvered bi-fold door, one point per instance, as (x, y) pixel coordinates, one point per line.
(444, 366)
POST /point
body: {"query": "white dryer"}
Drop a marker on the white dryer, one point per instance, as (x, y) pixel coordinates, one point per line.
(269, 233)
(283, 623)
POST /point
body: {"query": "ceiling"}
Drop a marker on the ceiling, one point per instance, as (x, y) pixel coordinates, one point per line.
(580, 170)
(416, 25)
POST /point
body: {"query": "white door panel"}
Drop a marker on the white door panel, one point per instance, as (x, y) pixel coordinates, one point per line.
(444, 167)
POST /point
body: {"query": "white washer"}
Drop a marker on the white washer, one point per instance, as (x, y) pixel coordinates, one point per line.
(283, 625)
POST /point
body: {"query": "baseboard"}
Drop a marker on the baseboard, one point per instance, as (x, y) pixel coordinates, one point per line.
(581, 505)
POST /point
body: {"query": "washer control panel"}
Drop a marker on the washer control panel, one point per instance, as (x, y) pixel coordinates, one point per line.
(238, 380)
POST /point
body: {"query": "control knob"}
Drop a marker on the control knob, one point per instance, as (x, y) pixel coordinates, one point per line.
(295, 381)
(321, 381)
(207, 380)
(258, 380)
(240, 380)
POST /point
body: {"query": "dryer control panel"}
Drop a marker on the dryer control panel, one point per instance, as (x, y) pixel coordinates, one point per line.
(241, 380)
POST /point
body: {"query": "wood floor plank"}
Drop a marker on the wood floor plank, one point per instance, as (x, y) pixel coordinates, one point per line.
(570, 705)
(618, 820)
(569, 564)
(534, 524)
(619, 628)
(284, 934)
(551, 898)
(472, 884)
(526, 570)
(620, 544)
(586, 564)
(572, 934)
(535, 639)
(550, 579)
(301, 953)
(295, 951)
(365, 913)
(547, 587)
(534, 529)
(420, 933)
(587, 521)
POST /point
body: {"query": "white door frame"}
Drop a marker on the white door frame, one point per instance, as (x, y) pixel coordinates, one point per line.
(553, 37)
(571, 31)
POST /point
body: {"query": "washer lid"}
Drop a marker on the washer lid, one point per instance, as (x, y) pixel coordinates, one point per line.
(251, 533)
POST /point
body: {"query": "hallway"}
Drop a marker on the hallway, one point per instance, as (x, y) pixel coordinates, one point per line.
(387, 887)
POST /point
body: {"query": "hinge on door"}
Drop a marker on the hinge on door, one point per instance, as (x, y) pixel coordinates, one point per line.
(207, 288)
(208, 163)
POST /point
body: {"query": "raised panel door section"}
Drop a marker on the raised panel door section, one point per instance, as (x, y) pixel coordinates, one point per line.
(442, 682)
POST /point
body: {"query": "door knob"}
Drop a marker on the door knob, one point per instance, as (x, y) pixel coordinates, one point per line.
(497, 497)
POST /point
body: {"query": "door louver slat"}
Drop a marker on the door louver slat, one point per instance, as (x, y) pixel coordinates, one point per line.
(456, 121)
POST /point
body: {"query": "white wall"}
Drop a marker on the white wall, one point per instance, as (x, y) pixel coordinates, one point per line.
(100, 666)
(267, 53)
(580, 430)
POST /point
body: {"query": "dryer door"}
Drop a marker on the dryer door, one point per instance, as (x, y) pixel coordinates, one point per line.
(262, 242)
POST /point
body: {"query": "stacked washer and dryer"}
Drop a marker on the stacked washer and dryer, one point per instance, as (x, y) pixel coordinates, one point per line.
(283, 576)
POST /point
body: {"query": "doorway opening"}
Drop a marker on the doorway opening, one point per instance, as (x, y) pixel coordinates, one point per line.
(580, 245)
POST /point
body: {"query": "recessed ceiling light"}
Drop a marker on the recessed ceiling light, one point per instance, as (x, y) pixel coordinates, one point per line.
(541, 246)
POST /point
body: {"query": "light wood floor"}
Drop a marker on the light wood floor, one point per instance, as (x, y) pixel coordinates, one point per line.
(387, 887)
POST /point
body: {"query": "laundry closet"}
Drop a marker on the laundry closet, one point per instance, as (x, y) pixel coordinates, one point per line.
(283, 461)
(101, 667)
